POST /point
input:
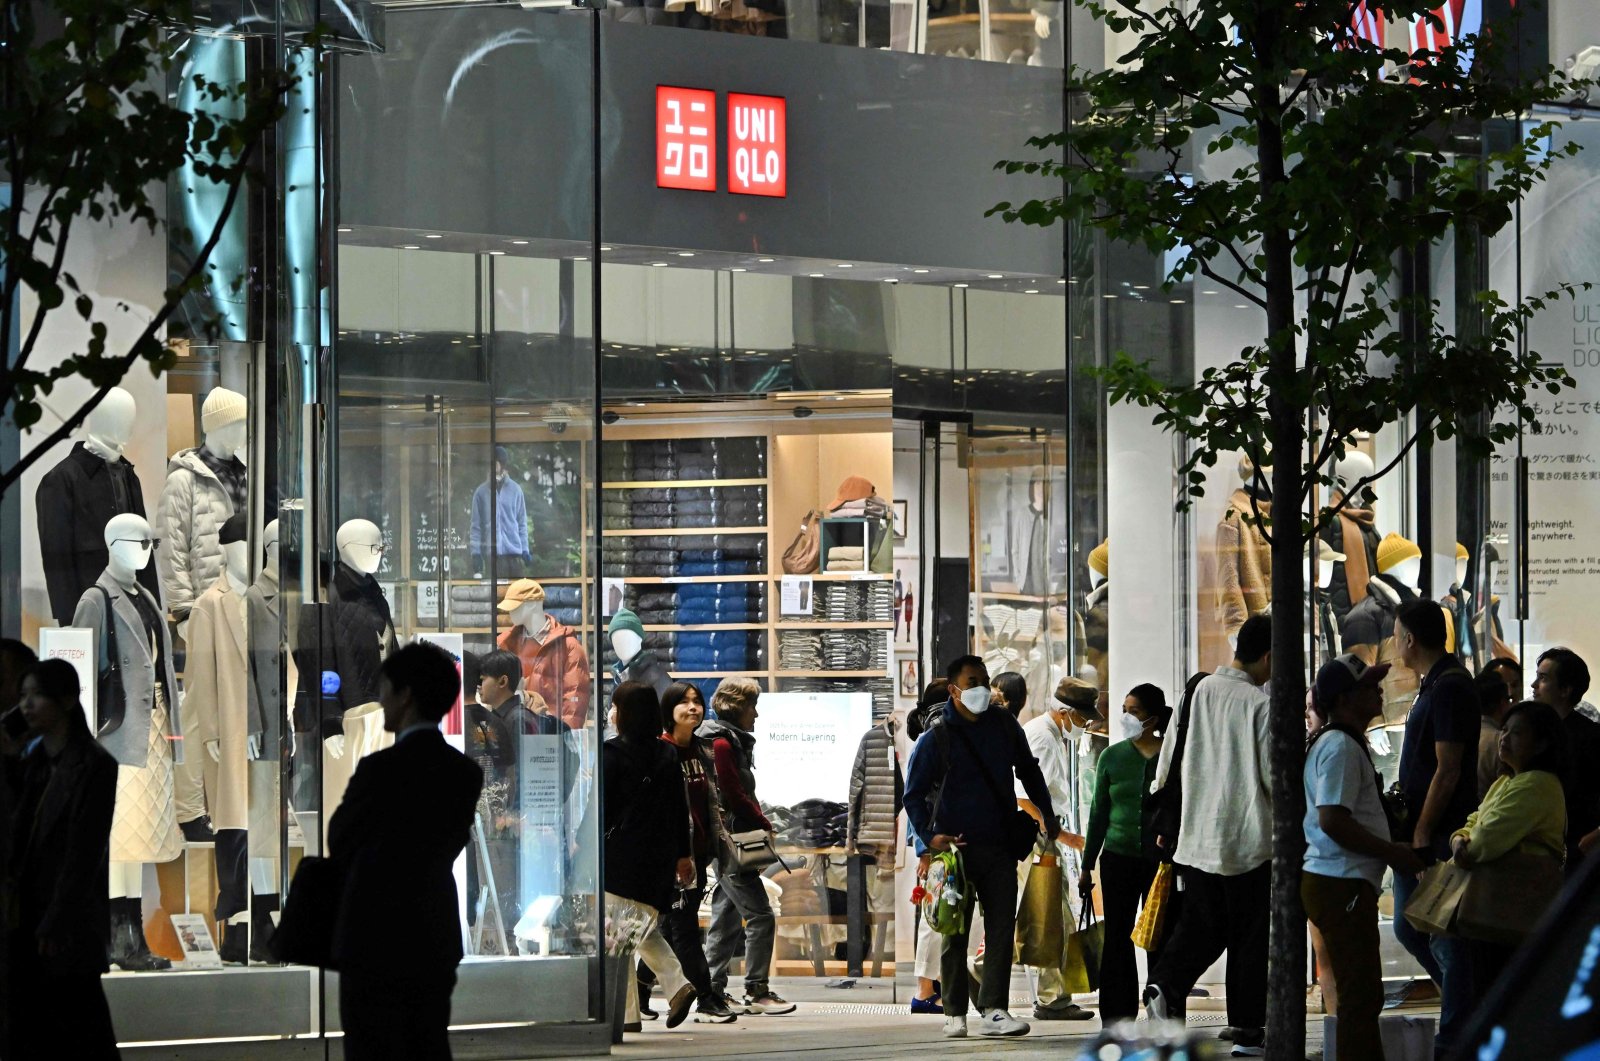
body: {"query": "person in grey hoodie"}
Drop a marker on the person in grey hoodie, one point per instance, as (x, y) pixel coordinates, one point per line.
(740, 897)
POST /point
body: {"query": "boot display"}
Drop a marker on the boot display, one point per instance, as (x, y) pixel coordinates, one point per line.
(129, 951)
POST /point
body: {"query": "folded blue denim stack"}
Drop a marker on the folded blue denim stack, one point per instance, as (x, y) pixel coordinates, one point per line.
(685, 555)
(564, 604)
(651, 460)
(684, 507)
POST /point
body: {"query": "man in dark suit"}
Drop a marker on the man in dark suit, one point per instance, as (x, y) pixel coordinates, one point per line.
(405, 817)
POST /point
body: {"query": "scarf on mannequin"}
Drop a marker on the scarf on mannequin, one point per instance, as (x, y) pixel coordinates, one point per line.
(1354, 547)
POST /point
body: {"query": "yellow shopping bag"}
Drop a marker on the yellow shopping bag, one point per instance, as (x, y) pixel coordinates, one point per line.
(1153, 917)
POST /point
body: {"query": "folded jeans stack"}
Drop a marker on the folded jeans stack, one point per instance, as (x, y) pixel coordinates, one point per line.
(799, 650)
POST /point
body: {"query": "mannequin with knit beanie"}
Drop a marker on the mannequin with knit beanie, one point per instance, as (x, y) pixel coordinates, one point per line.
(1353, 533)
(634, 662)
(205, 485)
(1096, 613)
(1368, 630)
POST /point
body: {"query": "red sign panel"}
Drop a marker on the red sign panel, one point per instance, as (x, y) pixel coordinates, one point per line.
(686, 138)
(758, 150)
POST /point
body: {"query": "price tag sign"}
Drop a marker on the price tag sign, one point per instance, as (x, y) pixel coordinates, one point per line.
(686, 138)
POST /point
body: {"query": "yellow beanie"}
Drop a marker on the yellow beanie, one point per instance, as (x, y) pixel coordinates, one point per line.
(1393, 549)
(1100, 558)
(1461, 552)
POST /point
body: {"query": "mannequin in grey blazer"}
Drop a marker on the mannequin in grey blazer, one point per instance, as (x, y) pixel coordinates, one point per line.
(129, 743)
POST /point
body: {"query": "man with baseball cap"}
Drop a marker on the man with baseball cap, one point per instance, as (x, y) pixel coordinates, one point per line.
(1348, 846)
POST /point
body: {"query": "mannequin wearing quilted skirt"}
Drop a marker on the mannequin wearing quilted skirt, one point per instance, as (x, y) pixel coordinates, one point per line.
(138, 722)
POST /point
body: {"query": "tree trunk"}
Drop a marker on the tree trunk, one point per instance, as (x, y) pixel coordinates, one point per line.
(1286, 1000)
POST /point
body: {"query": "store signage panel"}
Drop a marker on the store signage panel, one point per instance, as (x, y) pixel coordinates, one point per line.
(758, 150)
(686, 138)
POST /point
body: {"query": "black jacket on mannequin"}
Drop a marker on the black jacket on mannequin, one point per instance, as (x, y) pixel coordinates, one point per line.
(74, 502)
(349, 636)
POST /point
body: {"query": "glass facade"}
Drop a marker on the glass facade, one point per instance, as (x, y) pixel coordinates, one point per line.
(527, 339)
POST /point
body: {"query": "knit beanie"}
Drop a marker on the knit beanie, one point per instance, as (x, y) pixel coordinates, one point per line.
(1100, 558)
(222, 407)
(1461, 552)
(1395, 549)
(625, 620)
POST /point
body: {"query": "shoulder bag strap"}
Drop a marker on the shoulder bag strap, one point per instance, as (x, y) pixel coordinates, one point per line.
(1005, 803)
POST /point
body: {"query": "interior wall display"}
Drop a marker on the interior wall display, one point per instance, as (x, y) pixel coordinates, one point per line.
(806, 745)
(76, 499)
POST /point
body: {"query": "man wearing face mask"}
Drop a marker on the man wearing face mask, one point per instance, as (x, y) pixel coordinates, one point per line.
(958, 795)
(1053, 740)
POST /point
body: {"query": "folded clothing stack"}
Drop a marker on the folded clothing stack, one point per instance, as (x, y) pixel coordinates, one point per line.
(817, 823)
(472, 605)
(689, 506)
(708, 650)
(652, 460)
(854, 649)
(799, 650)
(692, 554)
(873, 507)
(857, 602)
(846, 558)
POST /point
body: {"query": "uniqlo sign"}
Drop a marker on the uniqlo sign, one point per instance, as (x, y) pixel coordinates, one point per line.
(686, 138)
(758, 152)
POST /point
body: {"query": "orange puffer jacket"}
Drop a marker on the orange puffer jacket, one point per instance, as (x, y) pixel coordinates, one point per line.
(556, 667)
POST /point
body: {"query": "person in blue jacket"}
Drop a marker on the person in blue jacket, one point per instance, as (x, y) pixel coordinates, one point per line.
(498, 502)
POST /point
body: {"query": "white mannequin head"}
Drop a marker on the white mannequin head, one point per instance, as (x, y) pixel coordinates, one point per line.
(223, 420)
(360, 545)
(1406, 571)
(626, 644)
(1319, 573)
(269, 544)
(529, 615)
(236, 560)
(1353, 467)
(128, 541)
(110, 424)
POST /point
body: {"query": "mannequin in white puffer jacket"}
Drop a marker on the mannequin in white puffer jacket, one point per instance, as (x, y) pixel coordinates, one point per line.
(197, 501)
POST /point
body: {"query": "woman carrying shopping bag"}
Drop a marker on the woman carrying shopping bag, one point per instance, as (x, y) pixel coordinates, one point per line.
(1119, 841)
(1513, 845)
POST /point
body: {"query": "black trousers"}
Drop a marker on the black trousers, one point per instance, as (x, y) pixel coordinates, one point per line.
(1124, 883)
(992, 881)
(57, 1017)
(680, 927)
(1220, 914)
(390, 1017)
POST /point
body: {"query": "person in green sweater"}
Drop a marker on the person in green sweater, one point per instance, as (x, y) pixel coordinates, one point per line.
(1524, 812)
(1117, 840)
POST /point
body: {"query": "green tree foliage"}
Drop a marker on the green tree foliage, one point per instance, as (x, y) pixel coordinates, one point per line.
(1297, 163)
(90, 135)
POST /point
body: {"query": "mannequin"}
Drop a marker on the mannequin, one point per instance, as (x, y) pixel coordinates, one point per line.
(877, 788)
(554, 664)
(134, 724)
(340, 647)
(216, 705)
(1369, 628)
(1353, 534)
(1321, 628)
(1482, 638)
(78, 497)
(1096, 615)
(634, 663)
(1244, 559)
(264, 634)
(499, 524)
(205, 485)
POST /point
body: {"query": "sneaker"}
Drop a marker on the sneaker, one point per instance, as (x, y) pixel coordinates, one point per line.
(734, 1005)
(678, 1008)
(955, 1027)
(926, 1005)
(1249, 1042)
(1070, 1011)
(1227, 1034)
(769, 1003)
(999, 1022)
(1155, 1004)
(714, 1011)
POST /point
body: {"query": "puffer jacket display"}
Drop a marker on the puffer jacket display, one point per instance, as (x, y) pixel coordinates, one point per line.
(194, 505)
(339, 648)
(877, 788)
(555, 666)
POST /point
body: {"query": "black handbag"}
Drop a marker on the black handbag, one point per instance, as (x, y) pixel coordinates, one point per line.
(305, 928)
(1165, 806)
(111, 698)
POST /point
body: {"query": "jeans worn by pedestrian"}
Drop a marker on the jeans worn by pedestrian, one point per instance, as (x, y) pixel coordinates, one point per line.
(1445, 959)
(741, 898)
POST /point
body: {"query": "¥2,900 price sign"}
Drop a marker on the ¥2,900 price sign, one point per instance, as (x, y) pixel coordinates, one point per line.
(758, 151)
(686, 138)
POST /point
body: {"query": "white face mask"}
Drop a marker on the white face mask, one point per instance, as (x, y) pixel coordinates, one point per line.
(1132, 728)
(976, 699)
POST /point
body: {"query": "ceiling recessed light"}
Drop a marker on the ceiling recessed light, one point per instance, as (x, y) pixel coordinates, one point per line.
(919, 270)
(496, 254)
(763, 259)
(686, 254)
(1060, 281)
(1177, 301)
(845, 265)
(814, 276)
(431, 235)
(409, 247)
(960, 285)
(346, 230)
(1108, 296)
(737, 269)
(579, 258)
(520, 242)
(604, 248)
(1031, 291)
(658, 265)
(997, 276)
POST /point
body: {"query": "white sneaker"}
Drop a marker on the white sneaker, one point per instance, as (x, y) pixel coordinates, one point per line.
(955, 1027)
(999, 1022)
